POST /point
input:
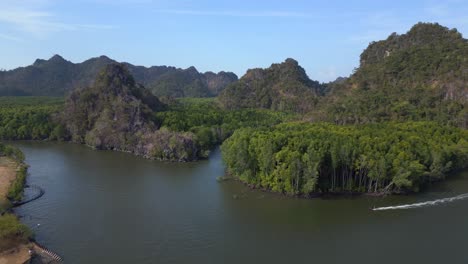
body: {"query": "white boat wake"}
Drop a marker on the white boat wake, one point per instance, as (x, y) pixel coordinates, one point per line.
(423, 204)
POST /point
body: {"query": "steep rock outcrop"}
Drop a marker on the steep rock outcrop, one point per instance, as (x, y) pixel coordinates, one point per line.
(118, 114)
(284, 87)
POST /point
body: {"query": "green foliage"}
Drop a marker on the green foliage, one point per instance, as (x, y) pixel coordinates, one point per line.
(118, 114)
(29, 117)
(181, 83)
(212, 124)
(11, 152)
(174, 146)
(12, 232)
(109, 114)
(282, 87)
(304, 158)
(177, 83)
(421, 75)
(15, 191)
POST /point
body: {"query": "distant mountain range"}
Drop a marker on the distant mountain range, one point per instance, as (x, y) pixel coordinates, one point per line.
(420, 75)
(58, 77)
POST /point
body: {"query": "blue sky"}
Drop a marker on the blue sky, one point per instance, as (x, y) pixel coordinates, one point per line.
(326, 37)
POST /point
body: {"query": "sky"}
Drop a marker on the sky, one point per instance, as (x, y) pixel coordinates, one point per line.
(326, 37)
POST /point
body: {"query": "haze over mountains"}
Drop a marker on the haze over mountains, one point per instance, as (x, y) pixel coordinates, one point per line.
(58, 77)
(420, 75)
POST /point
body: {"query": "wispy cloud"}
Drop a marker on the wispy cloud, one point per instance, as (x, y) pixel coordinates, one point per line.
(91, 26)
(31, 17)
(120, 2)
(231, 13)
(450, 13)
(9, 37)
(378, 26)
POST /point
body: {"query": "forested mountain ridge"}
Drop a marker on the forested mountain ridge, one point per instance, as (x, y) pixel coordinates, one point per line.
(118, 114)
(58, 77)
(114, 105)
(282, 87)
(190, 83)
(420, 75)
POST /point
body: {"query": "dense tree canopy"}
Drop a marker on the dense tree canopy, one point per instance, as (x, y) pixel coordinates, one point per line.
(212, 124)
(116, 113)
(30, 118)
(421, 75)
(304, 158)
(191, 83)
(282, 87)
(410, 91)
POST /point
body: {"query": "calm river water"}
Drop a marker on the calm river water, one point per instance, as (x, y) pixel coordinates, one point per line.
(109, 207)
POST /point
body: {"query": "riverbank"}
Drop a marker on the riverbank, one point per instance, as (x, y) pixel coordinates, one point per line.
(16, 239)
(31, 253)
(14, 236)
(229, 177)
(17, 255)
(7, 177)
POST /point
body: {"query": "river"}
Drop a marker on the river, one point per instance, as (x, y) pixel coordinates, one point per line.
(110, 207)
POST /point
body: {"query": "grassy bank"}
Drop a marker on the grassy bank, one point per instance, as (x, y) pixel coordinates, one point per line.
(12, 232)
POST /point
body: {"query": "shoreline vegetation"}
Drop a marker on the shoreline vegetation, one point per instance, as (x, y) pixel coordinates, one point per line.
(14, 236)
(303, 159)
(116, 113)
(17, 244)
(396, 124)
(186, 130)
(398, 121)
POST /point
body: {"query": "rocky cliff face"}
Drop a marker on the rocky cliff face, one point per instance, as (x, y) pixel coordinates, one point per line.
(112, 112)
(284, 87)
(217, 82)
(116, 113)
(420, 75)
(191, 83)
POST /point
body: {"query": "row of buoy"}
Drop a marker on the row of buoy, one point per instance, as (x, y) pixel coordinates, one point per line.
(53, 255)
(39, 194)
